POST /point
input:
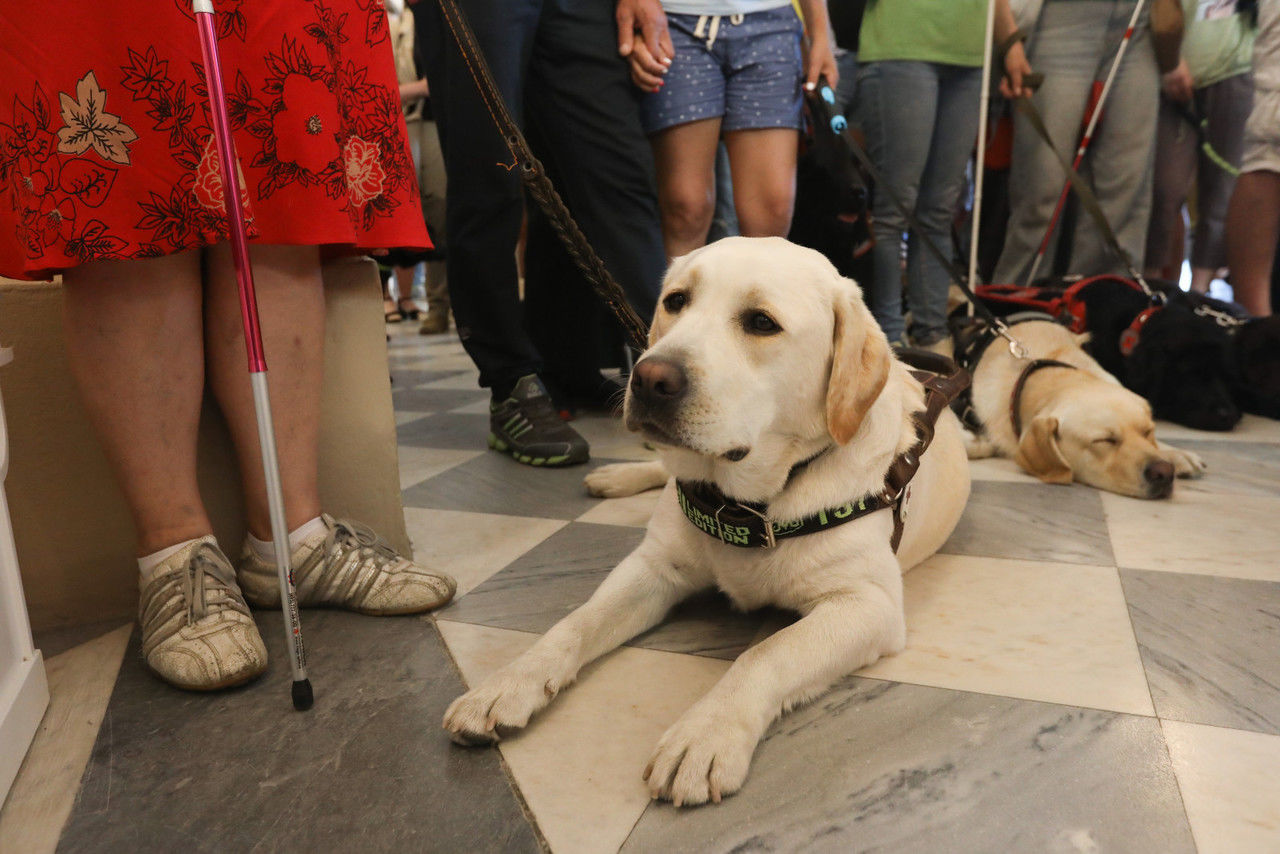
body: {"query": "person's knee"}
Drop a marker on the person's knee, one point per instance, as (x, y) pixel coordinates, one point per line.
(768, 214)
(687, 212)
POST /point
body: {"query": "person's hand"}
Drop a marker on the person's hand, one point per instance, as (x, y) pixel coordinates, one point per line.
(821, 62)
(1177, 84)
(646, 71)
(646, 18)
(1016, 69)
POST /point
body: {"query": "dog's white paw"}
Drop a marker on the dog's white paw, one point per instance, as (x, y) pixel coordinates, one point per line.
(702, 757)
(504, 701)
(1187, 464)
(976, 447)
(618, 480)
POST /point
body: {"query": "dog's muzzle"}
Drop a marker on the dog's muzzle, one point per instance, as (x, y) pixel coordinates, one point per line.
(658, 386)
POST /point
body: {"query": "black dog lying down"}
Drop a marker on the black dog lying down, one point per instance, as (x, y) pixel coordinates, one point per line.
(1194, 369)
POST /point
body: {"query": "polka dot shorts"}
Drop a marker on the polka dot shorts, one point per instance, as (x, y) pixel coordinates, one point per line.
(743, 68)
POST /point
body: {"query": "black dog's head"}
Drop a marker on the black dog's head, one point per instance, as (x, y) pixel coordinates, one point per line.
(1179, 366)
(1254, 360)
(1178, 363)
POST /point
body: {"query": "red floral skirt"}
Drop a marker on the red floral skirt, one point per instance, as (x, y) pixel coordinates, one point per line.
(106, 147)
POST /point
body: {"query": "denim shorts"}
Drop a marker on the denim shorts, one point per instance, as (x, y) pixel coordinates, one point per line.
(744, 68)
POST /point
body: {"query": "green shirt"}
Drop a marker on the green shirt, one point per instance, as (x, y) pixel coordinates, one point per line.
(945, 31)
(1217, 44)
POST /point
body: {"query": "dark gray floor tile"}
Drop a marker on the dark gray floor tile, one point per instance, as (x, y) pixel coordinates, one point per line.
(495, 483)
(367, 769)
(562, 572)
(1033, 521)
(1210, 645)
(437, 400)
(448, 430)
(881, 766)
(1242, 468)
(405, 378)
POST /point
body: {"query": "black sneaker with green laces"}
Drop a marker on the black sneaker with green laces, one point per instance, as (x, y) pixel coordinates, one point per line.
(527, 427)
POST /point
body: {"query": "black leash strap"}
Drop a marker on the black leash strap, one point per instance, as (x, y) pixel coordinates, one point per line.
(536, 180)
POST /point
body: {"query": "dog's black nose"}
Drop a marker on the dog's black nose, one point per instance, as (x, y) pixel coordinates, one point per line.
(658, 381)
(1158, 473)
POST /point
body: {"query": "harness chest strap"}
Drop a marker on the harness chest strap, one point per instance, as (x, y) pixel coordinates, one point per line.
(746, 524)
(1015, 399)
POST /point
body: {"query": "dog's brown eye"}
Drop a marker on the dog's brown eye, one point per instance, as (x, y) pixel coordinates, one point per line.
(674, 302)
(759, 323)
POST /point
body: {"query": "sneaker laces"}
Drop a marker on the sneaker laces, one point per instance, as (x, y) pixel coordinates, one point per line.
(192, 578)
(352, 536)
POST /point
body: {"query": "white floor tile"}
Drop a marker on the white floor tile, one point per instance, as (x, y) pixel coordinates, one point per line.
(1057, 633)
(1198, 532)
(473, 546)
(998, 468)
(1252, 428)
(579, 763)
(80, 684)
(418, 464)
(634, 510)
(1230, 786)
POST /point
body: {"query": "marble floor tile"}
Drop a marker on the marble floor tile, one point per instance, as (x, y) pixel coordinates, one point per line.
(404, 378)
(998, 468)
(608, 438)
(436, 399)
(404, 416)
(1252, 428)
(1211, 647)
(1238, 468)
(880, 766)
(1197, 532)
(1033, 521)
(1057, 633)
(418, 464)
(459, 380)
(633, 510)
(495, 483)
(80, 684)
(549, 581)
(366, 769)
(1228, 781)
(473, 546)
(579, 762)
(446, 430)
(476, 407)
(53, 642)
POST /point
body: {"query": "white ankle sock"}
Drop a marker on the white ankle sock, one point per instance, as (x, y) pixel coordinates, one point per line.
(148, 565)
(267, 550)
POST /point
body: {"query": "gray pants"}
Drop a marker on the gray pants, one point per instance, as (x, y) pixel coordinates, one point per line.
(1070, 44)
(1180, 160)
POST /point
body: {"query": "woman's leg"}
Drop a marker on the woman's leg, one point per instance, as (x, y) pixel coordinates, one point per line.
(685, 157)
(897, 105)
(1174, 171)
(291, 307)
(1226, 105)
(134, 341)
(941, 182)
(763, 163)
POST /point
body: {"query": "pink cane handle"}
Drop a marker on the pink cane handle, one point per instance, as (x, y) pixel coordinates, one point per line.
(230, 185)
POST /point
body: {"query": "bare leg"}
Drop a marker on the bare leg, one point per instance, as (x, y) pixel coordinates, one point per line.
(134, 341)
(291, 308)
(1253, 223)
(404, 287)
(685, 158)
(764, 179)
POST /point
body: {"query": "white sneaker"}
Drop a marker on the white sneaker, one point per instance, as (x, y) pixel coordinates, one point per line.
(347, 566)
(196, 629)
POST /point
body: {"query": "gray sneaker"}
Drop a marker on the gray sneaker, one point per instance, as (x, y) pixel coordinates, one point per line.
(197, 632)
(351, 567)
(527, 427)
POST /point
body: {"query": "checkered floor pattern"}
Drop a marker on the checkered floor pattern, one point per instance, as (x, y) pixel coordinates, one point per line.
(1083, 672)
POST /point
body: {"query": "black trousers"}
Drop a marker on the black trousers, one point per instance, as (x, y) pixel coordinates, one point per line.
(556, 64)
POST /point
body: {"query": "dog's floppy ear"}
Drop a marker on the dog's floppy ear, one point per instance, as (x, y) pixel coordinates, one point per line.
(860, 362)
(1039, 454)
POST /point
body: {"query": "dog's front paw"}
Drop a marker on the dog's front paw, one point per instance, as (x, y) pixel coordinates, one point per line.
(618, 480)
(702, 757)
(1187, 464)
(506, 700)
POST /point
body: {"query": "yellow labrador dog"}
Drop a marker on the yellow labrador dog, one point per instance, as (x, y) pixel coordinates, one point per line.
(1077, 424)
(768, 378)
